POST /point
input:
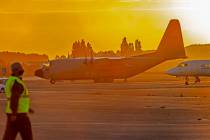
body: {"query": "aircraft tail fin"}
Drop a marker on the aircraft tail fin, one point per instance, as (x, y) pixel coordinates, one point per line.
(172, 45)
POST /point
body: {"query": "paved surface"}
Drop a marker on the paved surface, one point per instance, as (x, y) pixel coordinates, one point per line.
(152, 108)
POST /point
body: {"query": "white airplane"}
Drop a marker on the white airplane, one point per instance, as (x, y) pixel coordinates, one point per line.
(2, 84)
(193, 68)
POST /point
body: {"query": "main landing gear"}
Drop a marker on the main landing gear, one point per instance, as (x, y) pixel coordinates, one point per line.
(197, 79)
(187, 80)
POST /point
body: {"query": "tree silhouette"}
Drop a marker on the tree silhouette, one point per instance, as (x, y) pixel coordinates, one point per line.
(124, 47)
(138, 48)
(81, 49)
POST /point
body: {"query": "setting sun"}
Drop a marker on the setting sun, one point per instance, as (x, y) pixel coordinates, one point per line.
(195, 15)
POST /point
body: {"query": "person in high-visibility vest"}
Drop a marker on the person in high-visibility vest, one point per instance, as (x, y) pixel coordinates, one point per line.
(17, 106)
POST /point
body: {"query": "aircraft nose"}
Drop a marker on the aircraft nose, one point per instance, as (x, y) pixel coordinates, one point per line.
(171, 72)
(39, 73)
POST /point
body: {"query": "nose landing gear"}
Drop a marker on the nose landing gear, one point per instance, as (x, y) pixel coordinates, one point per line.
(52, 81)
(187, 80)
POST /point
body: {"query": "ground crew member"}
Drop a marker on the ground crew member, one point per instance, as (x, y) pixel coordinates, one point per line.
(17, 106)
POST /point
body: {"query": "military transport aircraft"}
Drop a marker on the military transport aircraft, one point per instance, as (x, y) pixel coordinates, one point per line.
(193, 68)
(105, 70)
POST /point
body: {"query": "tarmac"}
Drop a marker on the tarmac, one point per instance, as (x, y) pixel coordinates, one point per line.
(147, 107)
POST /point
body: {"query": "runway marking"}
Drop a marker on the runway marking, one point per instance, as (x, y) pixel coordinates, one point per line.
(117, 124)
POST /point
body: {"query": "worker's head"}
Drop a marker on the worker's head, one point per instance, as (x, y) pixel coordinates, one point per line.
(17, 69)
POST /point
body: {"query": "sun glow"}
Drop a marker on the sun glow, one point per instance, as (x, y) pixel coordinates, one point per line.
(195, 14)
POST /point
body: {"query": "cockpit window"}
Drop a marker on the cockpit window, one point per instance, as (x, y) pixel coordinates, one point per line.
(45, 66)
(183, 65)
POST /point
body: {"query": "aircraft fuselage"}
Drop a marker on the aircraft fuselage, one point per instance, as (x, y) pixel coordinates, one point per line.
(103, 68)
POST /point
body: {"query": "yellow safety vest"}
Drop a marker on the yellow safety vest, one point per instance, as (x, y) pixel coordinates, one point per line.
(24, 101)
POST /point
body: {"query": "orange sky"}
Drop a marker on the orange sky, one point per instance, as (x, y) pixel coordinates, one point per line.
(51, 26)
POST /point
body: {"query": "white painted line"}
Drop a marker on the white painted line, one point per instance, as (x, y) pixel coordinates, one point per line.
(113, 124)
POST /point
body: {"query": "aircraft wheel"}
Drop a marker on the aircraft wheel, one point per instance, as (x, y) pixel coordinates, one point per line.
(187, 80)
(186, 83)
(197, 79)
(2, 90)
(52, 81)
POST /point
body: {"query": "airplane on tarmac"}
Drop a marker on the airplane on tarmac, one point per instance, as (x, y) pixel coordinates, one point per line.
(193, 68)
(105, 70)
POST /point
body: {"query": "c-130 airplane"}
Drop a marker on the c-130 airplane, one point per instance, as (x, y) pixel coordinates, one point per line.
(105, 70)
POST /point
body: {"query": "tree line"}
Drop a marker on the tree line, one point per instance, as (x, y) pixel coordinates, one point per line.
(83, 49)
